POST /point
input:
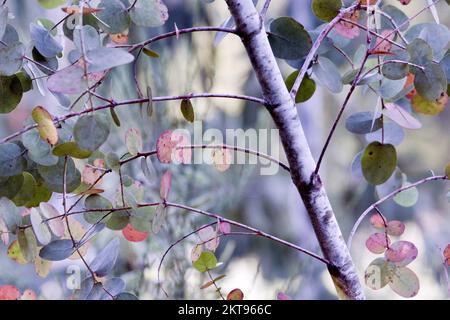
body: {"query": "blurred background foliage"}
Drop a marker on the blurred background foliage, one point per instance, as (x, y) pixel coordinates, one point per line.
(257, 266)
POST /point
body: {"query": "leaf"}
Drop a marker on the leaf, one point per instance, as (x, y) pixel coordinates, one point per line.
(4, 233)
(27, 243)
(112, 161)
(166, 148)
(328, 75)
(166, 182)
(10, 214)
(76, 10)
(235, 294)
(401, 253)
(221, 158)
(11, 161)
(378, 162)
(447, 255)
(114, 116)
(3, 20)
(28, 294)
(39, 227)
(326, 10)
(56, 225)
(44, 41)
(11, 58)
(118, 220)
(392, 134)
(27, 191)
(46, 127)
(187, 110)
(206, 261)
(395, 228)
(289, 39)
(53, 176)
(57, 250)
(91, 131)
(401, 116)
(427, 107)
(159, 219)
(447, 170)
(396, 70)
(150, 53)
(114, 286)
(15, 253)
(346, 29)
(211, 282)
(407, 198)
(377, 243)
(306, 90)
(71, 80)
(377, 221)
(79, 233)
(114, 17)
(362, 122)
(149, 108)
(133, 141)
(51, 4)
(378, 273)
(134, 235)
(106, 258)
(107, 58)
(420, 53)
(95, 201)
(431, 83)
(208, 237)
(42, 267)
(404, 282)
(9, 292)
(71, 149)
(10, 93)
(196, 252)
(224, 227)
(149, 13)
(126, 296)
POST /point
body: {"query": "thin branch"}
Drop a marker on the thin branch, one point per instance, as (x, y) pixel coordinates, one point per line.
(176, 33)
(265, 8)
(387, 197)
(132, 5)
(246, 227)
(316, 45)
(39, 64)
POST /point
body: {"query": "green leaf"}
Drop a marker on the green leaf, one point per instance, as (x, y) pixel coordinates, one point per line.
(25, 81)
(118, 220)
(42, 194)
(91, 131)
(206, 261)
(306, 90)
(115, 117)
(11, 186)
(326, 10)
(289, 39)
(11, 160)
(114, 17)
(50, 4)
(425, 106)
(27, 191)
(112, 161)
(11, 58)
(363, 122)
(133, 141)
(378, 162)
(53, 175)
(420, 53)
(71, 149)
(187, 110)
(149, 13)
(396, 15)
(10, 93)
(28, 244)
(10, 214)
(438, 37)
(396, 70)
(150, 53)
(95, 201)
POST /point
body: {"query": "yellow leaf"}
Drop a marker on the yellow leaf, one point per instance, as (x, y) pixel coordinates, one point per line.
(46, 127)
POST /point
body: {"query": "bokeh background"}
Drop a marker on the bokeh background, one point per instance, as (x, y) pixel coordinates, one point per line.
(257, 266)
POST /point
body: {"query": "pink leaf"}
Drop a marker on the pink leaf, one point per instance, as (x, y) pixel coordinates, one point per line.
(377, 243)
(447, 255)
(209, 238)
(9, 292)
(401, 253)
(166, 182)
(134, 235)
(221, 159)
(377, 221)
(283, 296)
(384, 45)
(56, 224)
(28, 294)
(347, 29)
(166, 148)
(235, 294)
(224, 227)
(401, 116)
(395, 228)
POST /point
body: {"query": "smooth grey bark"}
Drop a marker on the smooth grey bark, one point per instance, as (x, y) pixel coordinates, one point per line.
(284, 113)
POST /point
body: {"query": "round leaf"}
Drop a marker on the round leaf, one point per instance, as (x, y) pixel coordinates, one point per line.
(378, 162)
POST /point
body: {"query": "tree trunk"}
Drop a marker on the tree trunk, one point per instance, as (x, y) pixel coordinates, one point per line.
(283, 111)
